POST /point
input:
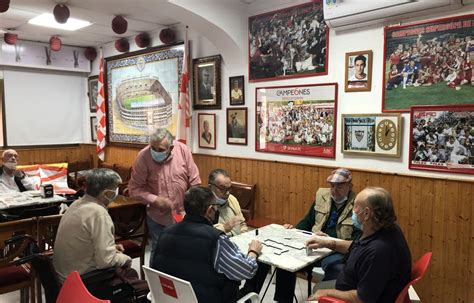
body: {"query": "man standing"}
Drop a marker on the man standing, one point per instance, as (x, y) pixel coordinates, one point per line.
(161, 174)
(378, 265)
(12, 179)
(195, 251)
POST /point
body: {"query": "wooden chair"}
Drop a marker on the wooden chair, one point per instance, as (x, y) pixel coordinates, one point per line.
(103, 164)
(75, 180)
(125, 172)
(131, 230)
(245, 193)
(13, 277)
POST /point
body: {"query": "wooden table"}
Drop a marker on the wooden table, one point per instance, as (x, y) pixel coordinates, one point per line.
(123, 200)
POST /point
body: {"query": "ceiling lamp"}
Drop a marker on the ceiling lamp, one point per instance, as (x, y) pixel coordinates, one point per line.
(167, 36)
(55, 43)
(10, 38)
(61, 13)
(119, 25)
(4, 5)
(122, 45)
(90, 53)
(142, 40)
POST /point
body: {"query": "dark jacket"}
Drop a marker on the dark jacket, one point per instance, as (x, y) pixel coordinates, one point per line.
(20, 185)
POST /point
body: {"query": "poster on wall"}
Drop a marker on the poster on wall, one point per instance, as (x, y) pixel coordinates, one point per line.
(299, 120)
(142, 90)
(428, 63)
(442, 138)
(291, 42)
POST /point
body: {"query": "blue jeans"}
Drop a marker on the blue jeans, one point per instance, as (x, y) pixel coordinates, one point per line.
(154, 232)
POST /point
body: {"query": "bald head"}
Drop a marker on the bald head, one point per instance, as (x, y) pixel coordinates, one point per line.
(379, 201)
(10, 155)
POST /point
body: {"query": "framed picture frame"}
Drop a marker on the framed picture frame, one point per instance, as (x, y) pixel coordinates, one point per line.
(142, 93)
(93, 129)
(442, 138)
(358, 71)
(207, 82)
(207, 130)
(372, 134)
(237, 125)
(236, 90)
(274, 51)
(297, 120)
(93, 86)
(427, 63)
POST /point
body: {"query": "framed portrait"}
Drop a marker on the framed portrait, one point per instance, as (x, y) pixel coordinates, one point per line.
(237, 126)
(358, 71)
(372, 134)
(207, 82)
(298, 120)
(442, 138)
(93, 86)
(142, 93)
(94, 129)
(207, 130)
(236, 90)
(428, 63)
(288, 43)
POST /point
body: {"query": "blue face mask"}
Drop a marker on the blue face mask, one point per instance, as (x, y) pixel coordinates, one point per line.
(159, 156)
(221, 201)
(355, 221)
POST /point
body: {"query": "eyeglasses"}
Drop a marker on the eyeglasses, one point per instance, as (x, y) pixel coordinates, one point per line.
(222, 189)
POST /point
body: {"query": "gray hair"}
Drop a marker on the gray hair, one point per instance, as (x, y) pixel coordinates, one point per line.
(98, 179)
(380, 201)
(158, 134)
(5, 152)
(215, 173)
(197, 199)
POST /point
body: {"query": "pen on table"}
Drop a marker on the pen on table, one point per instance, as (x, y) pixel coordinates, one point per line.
(256, 232)
(305, 232)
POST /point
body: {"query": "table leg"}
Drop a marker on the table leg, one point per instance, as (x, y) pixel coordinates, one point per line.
(268, 285)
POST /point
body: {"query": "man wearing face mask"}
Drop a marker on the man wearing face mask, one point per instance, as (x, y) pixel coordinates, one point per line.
(163, 171)
(195, 251)
(12, 179)
(85, 238)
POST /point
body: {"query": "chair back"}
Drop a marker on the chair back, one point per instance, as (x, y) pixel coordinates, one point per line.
(47, 230)
(417, 272)
(74, 291)
(40, 211)
(168, 289)
(15, 228)
(245, 193)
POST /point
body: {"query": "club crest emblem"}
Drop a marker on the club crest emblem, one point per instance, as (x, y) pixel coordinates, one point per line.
(359, 134)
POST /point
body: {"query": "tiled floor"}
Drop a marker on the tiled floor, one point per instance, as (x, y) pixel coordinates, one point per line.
(300, 292)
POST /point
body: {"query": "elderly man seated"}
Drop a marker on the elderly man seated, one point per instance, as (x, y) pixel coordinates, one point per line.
(12, 179)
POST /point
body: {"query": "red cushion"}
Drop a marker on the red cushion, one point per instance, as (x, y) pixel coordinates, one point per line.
(132, 248)
(13, 274)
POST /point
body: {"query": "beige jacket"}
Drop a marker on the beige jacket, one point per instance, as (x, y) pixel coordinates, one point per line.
(230, 210)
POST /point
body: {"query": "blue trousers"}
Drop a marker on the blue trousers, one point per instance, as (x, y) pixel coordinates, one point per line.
(154, 232)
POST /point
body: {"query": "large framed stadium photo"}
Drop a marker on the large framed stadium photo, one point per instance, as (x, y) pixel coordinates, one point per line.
(142, 91)
(442, 138)
(428, 63)
(298, 120)
(288, 43)
(372, 134)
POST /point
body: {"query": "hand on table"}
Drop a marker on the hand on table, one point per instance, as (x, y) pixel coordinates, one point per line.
(318, 242)
(287, 226)
(256, 246)
(234, 221)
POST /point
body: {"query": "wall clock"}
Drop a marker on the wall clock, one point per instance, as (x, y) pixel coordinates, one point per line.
(386, 134)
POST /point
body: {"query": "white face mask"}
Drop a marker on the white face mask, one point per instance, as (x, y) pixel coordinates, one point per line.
(10, 165)
(110, 199)
(339, 202)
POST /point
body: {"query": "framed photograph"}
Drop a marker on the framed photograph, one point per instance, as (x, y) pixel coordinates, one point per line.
(358, 71)
(442, 138)
(142, 93)
(298, 120)
(237, 126)
(372, 134)
(207, 82)
(428, 63)
(288, 43)
(94, 129)
(93, 85)
(207, 130)
(237, 90)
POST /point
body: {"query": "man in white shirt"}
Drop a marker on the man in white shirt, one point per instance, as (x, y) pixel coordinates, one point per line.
(12, 179)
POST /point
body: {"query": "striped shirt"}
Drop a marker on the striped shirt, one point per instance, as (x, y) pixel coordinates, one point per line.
(231, 262)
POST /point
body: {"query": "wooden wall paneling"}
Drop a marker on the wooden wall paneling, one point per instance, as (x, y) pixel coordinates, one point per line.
(470, 260)
(463, 217)
(436, 270)
(451, 238)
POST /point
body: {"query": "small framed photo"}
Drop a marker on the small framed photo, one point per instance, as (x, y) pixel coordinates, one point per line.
(236, 90)
(374, 134)
(207, 130)
(207, 82)
(442, 138)
(358, 71)
(93, 86)
(237, 126)
(94, 129)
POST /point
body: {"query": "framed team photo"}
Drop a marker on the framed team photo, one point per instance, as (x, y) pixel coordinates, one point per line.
(288, 43)
(207, 130)
(371, 134)
(207, 82)
(237, 126)
(358, 71)
(298, 120)
(428, 63)
(236, 90)
(442, 138)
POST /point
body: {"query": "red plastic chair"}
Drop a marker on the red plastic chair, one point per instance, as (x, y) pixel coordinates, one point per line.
(330, 300)
(74, 291)
(417, 272)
